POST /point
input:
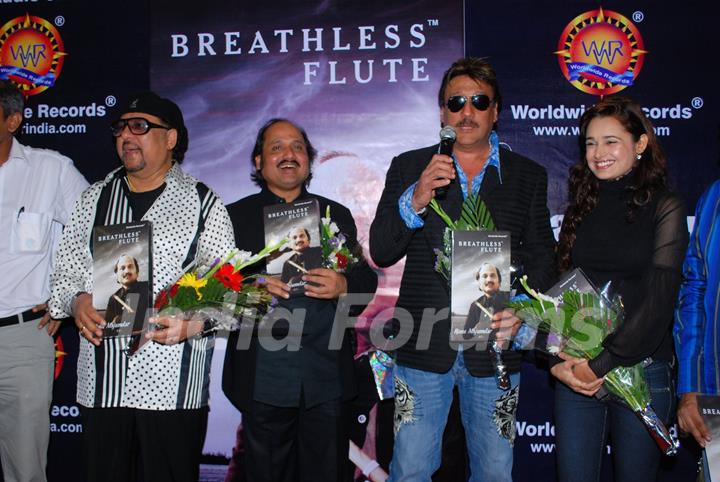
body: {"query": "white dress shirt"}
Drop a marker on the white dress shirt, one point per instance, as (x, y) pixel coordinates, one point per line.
(38, 191)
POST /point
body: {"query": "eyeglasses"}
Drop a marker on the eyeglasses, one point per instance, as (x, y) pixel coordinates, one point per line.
(479, 101)
(137, 126)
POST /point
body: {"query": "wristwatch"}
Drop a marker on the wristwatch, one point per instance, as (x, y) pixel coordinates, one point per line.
(208, 328)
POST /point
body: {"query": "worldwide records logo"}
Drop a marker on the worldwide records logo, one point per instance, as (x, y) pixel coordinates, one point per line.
(31, 53)
(600, 52)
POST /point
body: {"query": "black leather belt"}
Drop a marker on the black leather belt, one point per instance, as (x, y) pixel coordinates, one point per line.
(26, 315)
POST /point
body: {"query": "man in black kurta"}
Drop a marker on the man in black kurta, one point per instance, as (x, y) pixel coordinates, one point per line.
(292, 398)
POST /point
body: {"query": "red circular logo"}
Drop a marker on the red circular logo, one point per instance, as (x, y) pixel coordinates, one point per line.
(600, 52)
(31, 53)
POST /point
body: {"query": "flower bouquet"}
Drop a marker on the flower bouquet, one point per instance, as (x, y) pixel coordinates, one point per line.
(578, 322)
(221, 293)
(336, 255)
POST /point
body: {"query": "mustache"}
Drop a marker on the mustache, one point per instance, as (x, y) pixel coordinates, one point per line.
(467, 123)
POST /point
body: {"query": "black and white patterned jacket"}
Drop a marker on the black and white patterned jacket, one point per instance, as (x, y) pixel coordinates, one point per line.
(190, 225)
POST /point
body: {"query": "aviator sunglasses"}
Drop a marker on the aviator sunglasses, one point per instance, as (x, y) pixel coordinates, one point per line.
(479, 101)
(137, 126)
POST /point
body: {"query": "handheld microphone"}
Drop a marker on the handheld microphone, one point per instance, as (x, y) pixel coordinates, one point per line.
(447, 140)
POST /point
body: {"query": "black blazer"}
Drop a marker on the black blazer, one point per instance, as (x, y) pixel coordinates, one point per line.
(321, 374)
(518, 205)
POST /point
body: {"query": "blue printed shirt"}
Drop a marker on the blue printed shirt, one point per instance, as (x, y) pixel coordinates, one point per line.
(697, 316)
(414, 221)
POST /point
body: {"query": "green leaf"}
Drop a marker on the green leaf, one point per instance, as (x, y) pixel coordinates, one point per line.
(435, 206)
(475, 215)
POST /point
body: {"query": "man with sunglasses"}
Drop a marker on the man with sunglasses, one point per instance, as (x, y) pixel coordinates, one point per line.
(153, 404)
(428, 366)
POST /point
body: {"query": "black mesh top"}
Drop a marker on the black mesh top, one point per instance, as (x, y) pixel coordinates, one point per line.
(643, 261)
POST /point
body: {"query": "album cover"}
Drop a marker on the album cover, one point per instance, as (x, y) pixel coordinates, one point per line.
(480, 283)
(299, 222)
(122, 284)
(572, 280)
(709, 407)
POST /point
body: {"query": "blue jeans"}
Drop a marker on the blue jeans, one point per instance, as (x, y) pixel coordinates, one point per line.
(582, 425)
(422, 402)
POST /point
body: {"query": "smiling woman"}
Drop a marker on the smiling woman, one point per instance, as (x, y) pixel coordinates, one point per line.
(622, 227)
(610, 150)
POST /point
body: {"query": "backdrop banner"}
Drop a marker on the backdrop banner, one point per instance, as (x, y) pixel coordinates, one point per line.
(362, 79)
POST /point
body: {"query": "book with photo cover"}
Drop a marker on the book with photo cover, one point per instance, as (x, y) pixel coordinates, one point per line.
(299, 222)
(122, 276)
(574, 279)
(709, 406)
(480, 283)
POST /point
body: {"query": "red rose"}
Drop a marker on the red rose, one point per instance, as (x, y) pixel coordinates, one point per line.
(342, 261)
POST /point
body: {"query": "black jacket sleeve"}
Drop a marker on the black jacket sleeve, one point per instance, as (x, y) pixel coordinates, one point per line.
(389, 236)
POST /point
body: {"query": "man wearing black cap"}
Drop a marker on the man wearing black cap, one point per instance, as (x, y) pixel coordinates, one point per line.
(154, 403)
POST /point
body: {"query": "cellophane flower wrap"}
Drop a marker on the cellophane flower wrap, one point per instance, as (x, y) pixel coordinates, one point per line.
(576, 323)
(336, 254)
(220, 292)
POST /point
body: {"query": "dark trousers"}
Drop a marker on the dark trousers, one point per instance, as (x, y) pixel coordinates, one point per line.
(582, 426)
(297, 444)
(161, 445)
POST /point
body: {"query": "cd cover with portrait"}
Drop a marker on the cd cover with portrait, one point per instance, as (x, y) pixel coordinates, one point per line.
(709, 407)
(122, 284)
(480, 283)
(574, 279)
(299, 223)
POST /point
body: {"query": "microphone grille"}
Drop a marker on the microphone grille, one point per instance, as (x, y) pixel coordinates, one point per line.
(447, 133)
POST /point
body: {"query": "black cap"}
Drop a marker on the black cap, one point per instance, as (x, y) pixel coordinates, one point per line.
(153, 104)
(167, 110)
